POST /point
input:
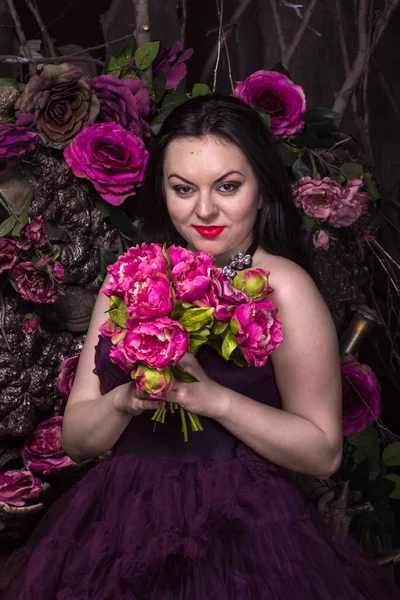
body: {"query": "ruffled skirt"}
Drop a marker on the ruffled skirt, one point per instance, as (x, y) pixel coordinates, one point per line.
(153, 529)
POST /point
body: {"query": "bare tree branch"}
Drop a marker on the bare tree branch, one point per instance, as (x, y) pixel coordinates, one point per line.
(6, 58)
(300, 32)
(183, 24)
(142, 23)
(382, 23)
(20, 32)
(220, 12)
(48, 42)
(279, 31)
(386, 89)
(353, 77)
(210, 62)
(91, 48)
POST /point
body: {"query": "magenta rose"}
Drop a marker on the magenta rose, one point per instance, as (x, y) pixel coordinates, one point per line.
(125, 101)
(109, 329)
(351, 205)
(66, 375)
(321, 240)
(38, 286)
(361, 399)
(18, 486)
(144, 259)
(190, 273)
(158, 344)
(222, 296)
(8, 255)
(111, 157)
(43, 451)
(284, 101)
(171, 62)
(258, 330)
(31, 324)
(149, 295)
(32, 235)
(16, 138)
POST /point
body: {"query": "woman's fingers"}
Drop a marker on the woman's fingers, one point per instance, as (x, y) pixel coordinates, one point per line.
(142, 404)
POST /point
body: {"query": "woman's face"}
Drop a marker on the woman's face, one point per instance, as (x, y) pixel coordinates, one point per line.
(212, 195)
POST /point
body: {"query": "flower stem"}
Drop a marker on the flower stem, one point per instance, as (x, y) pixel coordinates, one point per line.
(184, 424)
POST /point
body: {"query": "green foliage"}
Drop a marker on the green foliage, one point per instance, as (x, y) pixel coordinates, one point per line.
(145, 55)
(322, 121)
(200, 89)
(118, 312)
(265, 117)
(120, 65)
(229, 344)
(391, 455)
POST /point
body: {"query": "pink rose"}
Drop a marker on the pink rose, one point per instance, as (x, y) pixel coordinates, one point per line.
(222, 296)
(190, 272)
(154, 382)
(254, 283)
(43, 451)
(351, 205)
(32, 235)
(8, 255)
(158, 344)
(138, 259)
(118, 356)
(18, 486)
(284, 101)
(66, 375)
(109, 329)
(111, 157)
(38, 286)
(258, 330)
(31, 324)
(321, 240)
(361, 400)
(149, 295)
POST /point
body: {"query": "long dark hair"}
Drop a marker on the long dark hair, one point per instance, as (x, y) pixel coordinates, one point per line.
(278, 226)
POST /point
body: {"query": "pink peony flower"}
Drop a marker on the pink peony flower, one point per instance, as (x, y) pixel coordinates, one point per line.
(18, 486)
(8, 254)
(361, 400)
(66, 375)
(111, 157)
(258, 330)
(16, 138)
(222, 296)
(190, 273)
(321, 240)
(326, 200)
(149, 295)
(43, 451)
(109, 329)
(32, 235)
(284, 101)
(125, 101)
(254, 283)
(38, 286)
(158, 344)
(154, 382)
(31, 324)
(144, 259)
(171, 62)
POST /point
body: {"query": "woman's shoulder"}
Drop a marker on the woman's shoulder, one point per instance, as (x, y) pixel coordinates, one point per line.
(285, 275)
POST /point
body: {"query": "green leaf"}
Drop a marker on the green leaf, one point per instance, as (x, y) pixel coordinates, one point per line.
(183, 375)
(23, 212)
(379, 489)
(264, 116)
(7, 225)
(322, 120)
(106, 258)
(313, 162)
(367, 447)
(166, 255)
(118, 312)
(129, 72)
(288, 156)
(395, 495)
(200, 89)
(16, 232)
(307, 222)
(112, 67)
(196, 340)
(219, 327)
(371, 188)
(299, 169)
(172, 100)
(120, 220)
(352, 170)
(391, 455)
(229, 344)
(159, 84)
(194, 319)
(9, 82)
(124, 57)
(145, 55)
(359, 477)
(13, 284)
(281, 69)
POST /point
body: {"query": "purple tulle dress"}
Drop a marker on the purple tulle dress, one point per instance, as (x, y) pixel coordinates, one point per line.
(203, 520)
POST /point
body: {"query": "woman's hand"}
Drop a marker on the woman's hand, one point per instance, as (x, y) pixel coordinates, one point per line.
(204, 397)
(133, 401)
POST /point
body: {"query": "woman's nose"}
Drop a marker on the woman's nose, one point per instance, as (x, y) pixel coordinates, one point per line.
(206, 207)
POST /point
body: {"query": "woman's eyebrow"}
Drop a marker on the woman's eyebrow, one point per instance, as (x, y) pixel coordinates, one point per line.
(216, 181)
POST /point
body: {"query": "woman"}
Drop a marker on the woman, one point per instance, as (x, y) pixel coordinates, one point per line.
(216, 518)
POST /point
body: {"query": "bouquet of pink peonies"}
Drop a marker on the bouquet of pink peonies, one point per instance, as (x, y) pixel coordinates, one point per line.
(165, 302)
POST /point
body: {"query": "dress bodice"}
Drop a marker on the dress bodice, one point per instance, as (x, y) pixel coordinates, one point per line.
(143, 438)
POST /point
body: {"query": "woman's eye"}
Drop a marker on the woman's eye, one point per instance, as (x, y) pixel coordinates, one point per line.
(183, 190)
(229, 187)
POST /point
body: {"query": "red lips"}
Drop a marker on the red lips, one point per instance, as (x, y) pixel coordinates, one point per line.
(208, 231)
